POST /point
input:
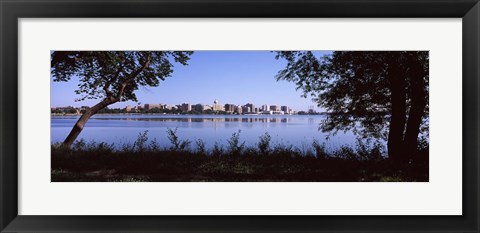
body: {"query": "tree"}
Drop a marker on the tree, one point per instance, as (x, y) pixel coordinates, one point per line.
(111, 76)
(374, 94)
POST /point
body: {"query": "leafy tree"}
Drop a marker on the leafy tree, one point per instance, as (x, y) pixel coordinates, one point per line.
(374, 94)
(111, 76)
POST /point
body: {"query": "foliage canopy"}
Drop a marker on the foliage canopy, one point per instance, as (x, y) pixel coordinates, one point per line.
(355, 88)
(114, 74)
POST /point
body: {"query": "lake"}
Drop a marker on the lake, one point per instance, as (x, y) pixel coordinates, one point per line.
(296, 130)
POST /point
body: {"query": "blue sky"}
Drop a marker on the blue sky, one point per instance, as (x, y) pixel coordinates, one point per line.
(236, 77)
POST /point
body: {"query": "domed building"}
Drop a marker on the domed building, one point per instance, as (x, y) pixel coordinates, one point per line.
(217, 106)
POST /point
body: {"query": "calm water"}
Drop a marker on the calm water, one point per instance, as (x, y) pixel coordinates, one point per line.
(295, 130)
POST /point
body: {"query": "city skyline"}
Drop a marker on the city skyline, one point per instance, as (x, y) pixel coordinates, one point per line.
(212, 104)
(237, 77)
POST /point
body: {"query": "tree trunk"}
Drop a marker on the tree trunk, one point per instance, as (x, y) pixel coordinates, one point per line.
(395, 145)
(78, 127)
(417, 109)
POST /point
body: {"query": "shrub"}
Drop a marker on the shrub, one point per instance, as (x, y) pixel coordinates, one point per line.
(140, 143)
(264, 144)
(234, 145)
(79, 145)
(217, 150)
(99, 148)
(366, 151)
(345, 152)
(126, 147)
(282, 150)
(200, 146)
(154, 146)
(177, 144)
(319, 149)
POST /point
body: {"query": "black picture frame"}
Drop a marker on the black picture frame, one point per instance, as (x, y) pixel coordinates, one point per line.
(11, 11)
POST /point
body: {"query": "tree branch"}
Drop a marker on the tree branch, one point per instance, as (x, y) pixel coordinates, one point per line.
(109, 82)
(131, 77)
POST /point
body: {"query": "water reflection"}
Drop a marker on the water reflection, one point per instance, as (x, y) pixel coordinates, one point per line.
(295, 130)
(206, 119)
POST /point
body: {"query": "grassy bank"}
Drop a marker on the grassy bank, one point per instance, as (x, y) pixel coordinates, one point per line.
(184, 160)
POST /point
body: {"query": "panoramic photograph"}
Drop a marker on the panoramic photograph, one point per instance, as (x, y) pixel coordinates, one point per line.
(239, 116)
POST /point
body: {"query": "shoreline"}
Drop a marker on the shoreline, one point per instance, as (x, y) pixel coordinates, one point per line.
(179, 114)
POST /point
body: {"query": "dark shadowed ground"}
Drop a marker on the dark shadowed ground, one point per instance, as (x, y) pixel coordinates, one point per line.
(106, 165)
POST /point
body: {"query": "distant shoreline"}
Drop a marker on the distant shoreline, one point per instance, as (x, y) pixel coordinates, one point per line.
(180, 114)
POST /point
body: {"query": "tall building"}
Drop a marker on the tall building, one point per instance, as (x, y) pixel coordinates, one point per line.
(230, 108)
(265, 107)
(128, 108)
(246, 109)
(186, 107)
(238, 109)
(285, 109)
(251, 106)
